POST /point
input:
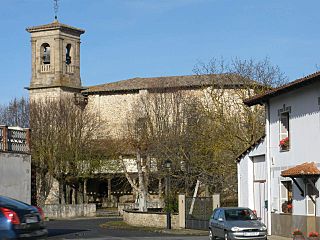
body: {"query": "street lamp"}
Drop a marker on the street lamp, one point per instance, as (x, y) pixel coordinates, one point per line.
(167, 165)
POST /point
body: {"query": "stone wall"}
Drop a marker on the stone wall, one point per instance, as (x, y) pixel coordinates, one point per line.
(15, 176)
(69, 211)
(53, 93)
(149, 219)
(285, 224)
(113, 109)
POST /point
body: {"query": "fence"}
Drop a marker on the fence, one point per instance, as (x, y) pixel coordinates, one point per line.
(14, 139)
(198, 211)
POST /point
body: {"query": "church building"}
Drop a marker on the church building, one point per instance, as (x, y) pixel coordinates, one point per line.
(56, 74)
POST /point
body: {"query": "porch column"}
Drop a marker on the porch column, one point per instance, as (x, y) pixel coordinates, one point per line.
(85, 197)
(109, 189)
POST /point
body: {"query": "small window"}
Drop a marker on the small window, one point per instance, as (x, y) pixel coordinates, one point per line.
(286, 196)
(284, 132)
(45, 53)
(68, 54)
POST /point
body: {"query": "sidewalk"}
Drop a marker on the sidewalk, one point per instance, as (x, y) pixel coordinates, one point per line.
(277, 238)
(193, 232)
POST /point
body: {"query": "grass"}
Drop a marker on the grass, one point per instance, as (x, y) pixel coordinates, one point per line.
(124, 225)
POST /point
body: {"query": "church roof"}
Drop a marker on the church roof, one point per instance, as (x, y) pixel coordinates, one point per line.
(190, 81)
(54, 26)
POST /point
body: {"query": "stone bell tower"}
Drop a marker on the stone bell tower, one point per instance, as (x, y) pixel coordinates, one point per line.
(55, 61)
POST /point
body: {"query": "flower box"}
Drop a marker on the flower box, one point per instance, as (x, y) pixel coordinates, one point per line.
(313, 236)
(284, 144)
(297, 235)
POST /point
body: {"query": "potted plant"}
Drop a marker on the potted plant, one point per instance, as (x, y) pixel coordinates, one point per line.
(314, 235)
(297, 234)
(284, 144)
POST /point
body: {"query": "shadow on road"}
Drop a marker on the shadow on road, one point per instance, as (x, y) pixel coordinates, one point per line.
(57, 232)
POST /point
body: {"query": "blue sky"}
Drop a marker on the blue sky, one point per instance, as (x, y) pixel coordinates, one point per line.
(145, 38)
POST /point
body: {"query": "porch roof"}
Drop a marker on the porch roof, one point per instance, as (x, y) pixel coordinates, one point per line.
(305, 169)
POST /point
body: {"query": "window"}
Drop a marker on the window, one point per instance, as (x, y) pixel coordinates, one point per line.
(311, 194)
(68, 54)
(284, 132)
(216, 215)
(221, 215)
(286, 196)
(310, 206)
(45, 53)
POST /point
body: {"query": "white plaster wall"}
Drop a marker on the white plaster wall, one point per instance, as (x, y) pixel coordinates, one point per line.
(245, 176)
(304, 137)
(15, 176)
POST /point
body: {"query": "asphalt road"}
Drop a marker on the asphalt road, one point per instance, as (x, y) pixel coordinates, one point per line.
(90, 229)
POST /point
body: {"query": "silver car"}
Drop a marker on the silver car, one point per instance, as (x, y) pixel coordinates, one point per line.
(236, 223)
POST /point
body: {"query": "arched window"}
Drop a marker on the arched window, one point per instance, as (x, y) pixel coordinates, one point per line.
(45, 53)
(68, 54)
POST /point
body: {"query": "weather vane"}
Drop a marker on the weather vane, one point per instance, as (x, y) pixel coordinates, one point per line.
(56, 8)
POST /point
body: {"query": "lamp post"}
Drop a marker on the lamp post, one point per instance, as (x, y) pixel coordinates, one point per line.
(167, 165)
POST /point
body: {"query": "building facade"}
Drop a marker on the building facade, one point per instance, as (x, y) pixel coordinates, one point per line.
(290, 157)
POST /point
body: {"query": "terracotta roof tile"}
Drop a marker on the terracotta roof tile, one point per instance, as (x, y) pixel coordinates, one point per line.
(53, 26)
(302, 169)
(168, 82)
(259, 99)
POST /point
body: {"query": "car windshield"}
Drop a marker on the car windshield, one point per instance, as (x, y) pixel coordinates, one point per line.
(239, 214)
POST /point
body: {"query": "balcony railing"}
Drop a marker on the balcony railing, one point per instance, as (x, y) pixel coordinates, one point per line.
(45, 68)
(14, 139)
(69, 68)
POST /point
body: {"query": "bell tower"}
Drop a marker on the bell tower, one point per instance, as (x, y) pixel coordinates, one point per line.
(55, 60)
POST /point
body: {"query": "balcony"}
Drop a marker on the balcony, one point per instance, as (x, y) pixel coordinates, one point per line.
(14, 139)
(45, 68)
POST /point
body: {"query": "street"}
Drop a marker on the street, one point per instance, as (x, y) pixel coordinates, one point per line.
(90, 229)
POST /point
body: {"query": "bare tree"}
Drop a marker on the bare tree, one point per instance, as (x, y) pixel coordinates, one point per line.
(156, 131)
(232, 126)
(62, 141)
(16, 113)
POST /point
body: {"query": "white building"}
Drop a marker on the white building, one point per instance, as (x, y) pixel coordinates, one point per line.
(282, 167)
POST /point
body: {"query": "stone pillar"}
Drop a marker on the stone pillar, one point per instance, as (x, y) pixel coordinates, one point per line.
(215, 200)
(58, 57)
(182, 211)
(77, 62)
(33, 58)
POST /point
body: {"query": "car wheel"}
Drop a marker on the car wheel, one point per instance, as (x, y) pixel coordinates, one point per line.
(211, 236)
(226, 236)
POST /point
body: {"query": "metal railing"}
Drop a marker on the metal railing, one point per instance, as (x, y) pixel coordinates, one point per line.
(14, 139)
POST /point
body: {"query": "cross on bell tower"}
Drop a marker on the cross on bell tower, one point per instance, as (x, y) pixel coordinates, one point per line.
(55, 60)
